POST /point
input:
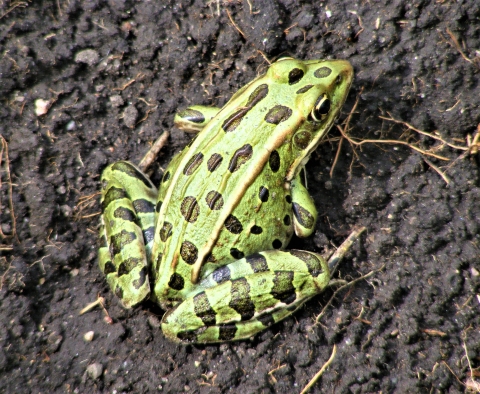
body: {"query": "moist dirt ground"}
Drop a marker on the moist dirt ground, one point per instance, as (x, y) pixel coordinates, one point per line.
(86, 83)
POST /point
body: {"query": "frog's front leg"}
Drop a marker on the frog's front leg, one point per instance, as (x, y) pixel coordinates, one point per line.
(304, 211)
(127, 230)
(243, 298)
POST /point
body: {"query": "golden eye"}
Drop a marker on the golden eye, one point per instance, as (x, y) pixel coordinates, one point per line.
(321, 108)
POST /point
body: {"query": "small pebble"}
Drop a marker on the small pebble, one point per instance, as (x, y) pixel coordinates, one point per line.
(41, 107)
(71, 125)
(87, 56)
(130, 116)
(66, 210)
(95, 370)
(116, 100)
(88, 336)
(74, 272)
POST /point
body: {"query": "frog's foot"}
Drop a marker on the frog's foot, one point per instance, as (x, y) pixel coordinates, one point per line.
(127, 230)
(194, 118)
(243, 298)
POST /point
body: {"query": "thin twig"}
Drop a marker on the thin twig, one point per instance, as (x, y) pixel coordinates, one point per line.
(14, 4)
(453, 373)
(391, 142)
(320, 373)
(351, 283)
(126, 85)
(153, 151)
(456, 44)
(336, 257)
(235, 25)
(274, 370)
(391, 119)
(346, 125)
(468, 359)
(4, 150)
(438, 170)
(359, 22)
(337, 155)
(264, 56)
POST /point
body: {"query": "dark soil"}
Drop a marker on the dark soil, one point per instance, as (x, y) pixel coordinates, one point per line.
(411, 328)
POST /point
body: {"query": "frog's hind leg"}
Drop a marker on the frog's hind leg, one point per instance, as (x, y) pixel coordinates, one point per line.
(127, 230)
(243, 298)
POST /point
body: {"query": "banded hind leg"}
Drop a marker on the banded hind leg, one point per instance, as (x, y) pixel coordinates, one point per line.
(240, 299)
(127, 230)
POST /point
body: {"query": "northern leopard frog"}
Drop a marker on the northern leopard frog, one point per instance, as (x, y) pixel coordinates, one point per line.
(211, 240)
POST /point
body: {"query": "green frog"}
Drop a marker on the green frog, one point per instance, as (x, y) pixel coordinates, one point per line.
(209, 244)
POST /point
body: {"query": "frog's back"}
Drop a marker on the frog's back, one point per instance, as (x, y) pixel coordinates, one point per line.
(227, 194)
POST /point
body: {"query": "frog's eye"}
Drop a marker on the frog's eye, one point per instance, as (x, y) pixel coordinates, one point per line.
(321, 108)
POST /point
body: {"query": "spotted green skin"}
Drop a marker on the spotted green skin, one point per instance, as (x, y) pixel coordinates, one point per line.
(211, 240)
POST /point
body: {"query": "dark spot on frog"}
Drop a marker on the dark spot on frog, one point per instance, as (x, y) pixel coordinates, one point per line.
(190, 209)
(306, 88)
(233, 225)
(256, 230)
(263, 194)
(166, 177)
(258, 262)
(113, 194)
(118, 241)
(221, 274)
(109, 268)
(322, 72)
(193, 164)
(277, 244)
(283, 289)
(240, 157)
(236, 254)
(240, 299)
(176, 282)
(189, 252)
(214, 162)
(142, 278)
(165, 231)
(203, 309)
(295, 76)
(226, 332)
(125, 214)
(274, 161)
(142, 205)
(214, 200)
(278, 114)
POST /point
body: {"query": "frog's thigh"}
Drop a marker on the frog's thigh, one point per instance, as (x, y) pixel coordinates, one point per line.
(304, 211)
(194, 118)
(127, 230)
(249, 295)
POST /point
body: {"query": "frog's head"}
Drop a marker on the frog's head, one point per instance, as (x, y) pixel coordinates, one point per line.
(315, 90)
(320, 86)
